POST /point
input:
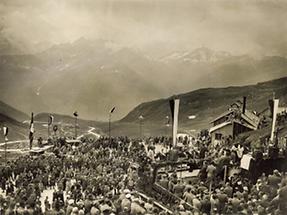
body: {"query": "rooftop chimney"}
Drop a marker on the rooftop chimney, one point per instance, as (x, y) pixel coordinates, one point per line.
(244, 104)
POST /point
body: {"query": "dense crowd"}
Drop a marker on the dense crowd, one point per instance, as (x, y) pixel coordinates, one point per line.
(217, 192)
(103, 176)
(93, 178)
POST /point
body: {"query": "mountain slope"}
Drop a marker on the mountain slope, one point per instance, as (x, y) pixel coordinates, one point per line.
(17, 130)
(11, 112)
(208, 103)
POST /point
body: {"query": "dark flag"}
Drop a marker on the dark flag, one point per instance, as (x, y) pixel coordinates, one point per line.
(174, 107)
(113, 109)
(31, 133)
(171, 105)
(50, 120)
(76, 114)
(271, 106)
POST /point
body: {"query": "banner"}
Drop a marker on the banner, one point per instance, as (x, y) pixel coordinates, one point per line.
(245, 161)
(5, 131)
(174, 106)
(275, 110)
(31, 133)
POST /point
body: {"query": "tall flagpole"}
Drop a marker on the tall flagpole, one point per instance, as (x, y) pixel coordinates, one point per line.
(140, 122)
(31, 133)
(175, 125)
(275, 109)
(5, 150)
(110, 123)
(76, 122)
(48, 127)
(174, 105)
(110, 116)
(5, 132)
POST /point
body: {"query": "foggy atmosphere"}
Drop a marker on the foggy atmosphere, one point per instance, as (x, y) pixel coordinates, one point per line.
(145, 107)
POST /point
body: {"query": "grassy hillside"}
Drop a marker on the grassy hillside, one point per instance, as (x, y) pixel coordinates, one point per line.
(17, 130)
(11, 112)
(207, 104)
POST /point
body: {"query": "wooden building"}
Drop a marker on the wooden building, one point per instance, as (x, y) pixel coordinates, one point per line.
(236, 120)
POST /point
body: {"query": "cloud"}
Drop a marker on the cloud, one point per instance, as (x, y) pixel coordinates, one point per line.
(236, 26)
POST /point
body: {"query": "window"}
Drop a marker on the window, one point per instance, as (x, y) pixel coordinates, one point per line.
(218, 136)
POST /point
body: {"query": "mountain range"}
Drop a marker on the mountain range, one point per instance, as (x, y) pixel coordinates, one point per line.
(94, 76)
(205, 104)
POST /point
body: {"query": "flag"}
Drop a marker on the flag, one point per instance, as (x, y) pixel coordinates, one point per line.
(174, 107)
(31, 133)
(271, 106)
(275, 110)
(50, 120)
(171, 105)
(5, 132)
(141, 117)
(112, 110)
(75, 114)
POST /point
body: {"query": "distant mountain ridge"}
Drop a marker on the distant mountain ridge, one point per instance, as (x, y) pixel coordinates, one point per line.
(12, 113)
(94, 76)
(198, 55)
(208, 103)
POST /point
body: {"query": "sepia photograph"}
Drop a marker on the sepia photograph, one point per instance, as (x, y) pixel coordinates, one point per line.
(143, 107)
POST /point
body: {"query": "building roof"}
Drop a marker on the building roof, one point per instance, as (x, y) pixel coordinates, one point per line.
(221, 125)
(222, 115)
(248, 116)
(251, 118)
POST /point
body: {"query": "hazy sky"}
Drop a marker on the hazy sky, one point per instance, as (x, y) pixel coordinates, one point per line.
(238, 26)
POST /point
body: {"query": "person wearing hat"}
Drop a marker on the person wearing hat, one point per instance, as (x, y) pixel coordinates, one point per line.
(196, 202)
(126, 202)
(188, 195)
(274, 179)
(149, 205)
(105, 209)
(136, 208)
(94, 209)
(70, 206)
(205, 205)
(75, 211)
(125, 211)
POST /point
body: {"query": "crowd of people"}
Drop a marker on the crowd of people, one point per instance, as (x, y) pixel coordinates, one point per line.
(104, 177)
(222, 186)
(92, 178)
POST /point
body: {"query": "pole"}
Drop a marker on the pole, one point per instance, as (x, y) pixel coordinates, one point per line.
(110, 116)
(5, 150)
(76, 122)
(48, 130)
(225, 174)
(140, 124)
(140, 128)
(275, 109)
